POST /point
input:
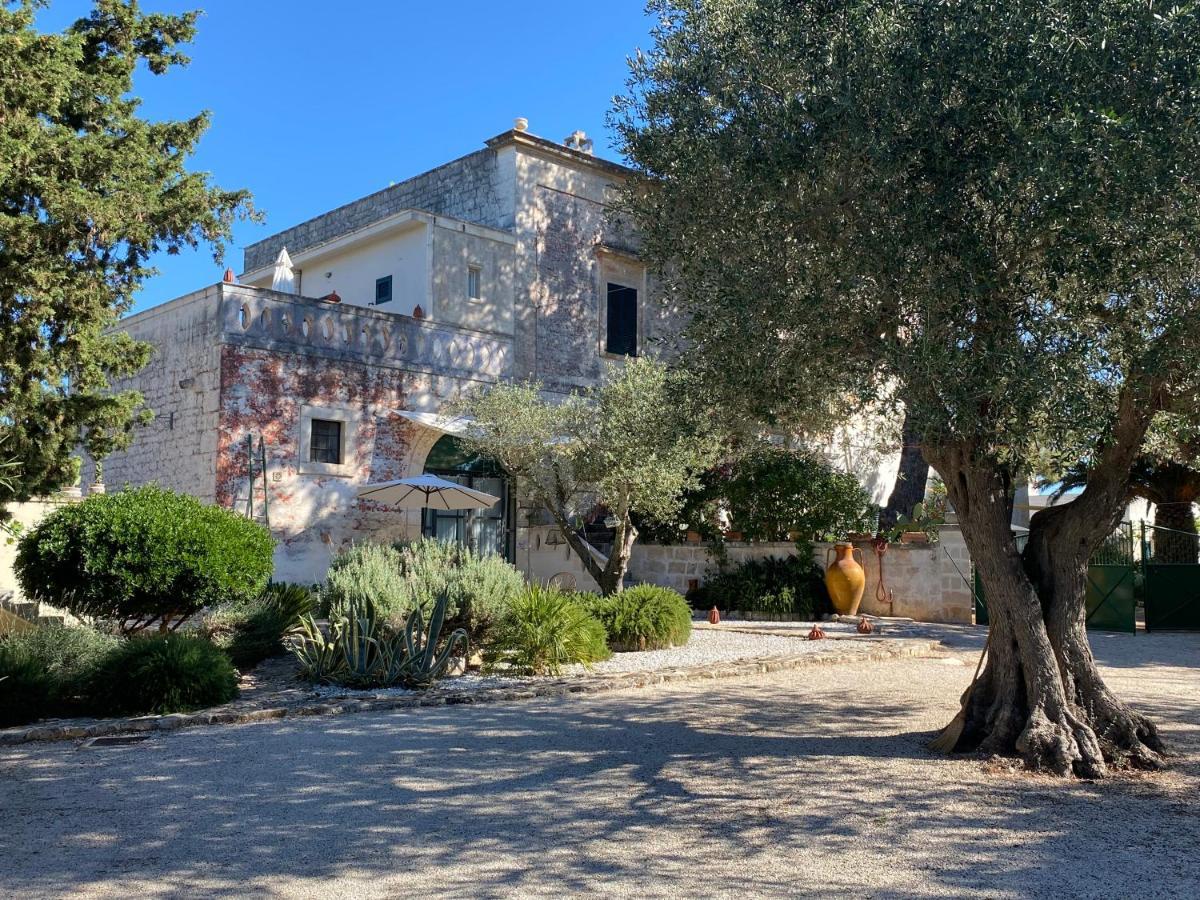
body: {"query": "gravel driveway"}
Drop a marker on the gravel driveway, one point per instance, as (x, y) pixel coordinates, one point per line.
(807, 783)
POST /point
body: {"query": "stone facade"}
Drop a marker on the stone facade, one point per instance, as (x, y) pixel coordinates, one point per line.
(238, 361)
(530, 218)
(928, 581)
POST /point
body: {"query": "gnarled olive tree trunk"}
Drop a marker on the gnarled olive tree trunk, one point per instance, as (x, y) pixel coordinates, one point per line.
(1040, 696)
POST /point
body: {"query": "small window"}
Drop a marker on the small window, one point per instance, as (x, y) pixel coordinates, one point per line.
(325, 442)
(383, 290)
(622, 320)
(473, 273)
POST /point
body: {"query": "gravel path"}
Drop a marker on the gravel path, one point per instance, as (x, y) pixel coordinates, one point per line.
(809, 783)
(704, 647)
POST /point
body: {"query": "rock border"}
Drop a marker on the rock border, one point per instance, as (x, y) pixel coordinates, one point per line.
(445, 695)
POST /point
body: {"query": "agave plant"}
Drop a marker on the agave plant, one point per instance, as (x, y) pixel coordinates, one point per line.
(425, 664)
(361, 651)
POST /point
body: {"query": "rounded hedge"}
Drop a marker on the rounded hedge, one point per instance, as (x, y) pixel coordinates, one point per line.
(782, 585)
(645, 617)
(143, 555)
(165, 673)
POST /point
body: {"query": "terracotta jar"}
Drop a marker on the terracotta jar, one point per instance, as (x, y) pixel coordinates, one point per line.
(845, 578)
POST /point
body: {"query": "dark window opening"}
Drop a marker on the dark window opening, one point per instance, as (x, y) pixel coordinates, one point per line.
(383, 290)
(621, 338)
(473, 275)
(325, 442)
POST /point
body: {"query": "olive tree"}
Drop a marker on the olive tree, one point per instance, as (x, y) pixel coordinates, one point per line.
(983, 213)
(632, 445)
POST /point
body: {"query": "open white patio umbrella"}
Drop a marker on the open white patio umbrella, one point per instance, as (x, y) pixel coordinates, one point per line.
(427, 492)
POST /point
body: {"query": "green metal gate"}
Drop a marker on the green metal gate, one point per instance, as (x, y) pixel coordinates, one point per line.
(1171, 565)
(1110, 604)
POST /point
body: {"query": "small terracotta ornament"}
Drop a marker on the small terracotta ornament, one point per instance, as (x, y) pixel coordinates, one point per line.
(229, 277)
(418, 313)
(817, 633)
(864, 626)
(332, 297)
(714, 616)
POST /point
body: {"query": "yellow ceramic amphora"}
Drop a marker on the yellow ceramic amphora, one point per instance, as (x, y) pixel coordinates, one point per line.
(845, 578)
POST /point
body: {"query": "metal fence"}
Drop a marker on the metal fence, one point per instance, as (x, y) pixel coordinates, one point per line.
(1110, 603)
(1171, 573)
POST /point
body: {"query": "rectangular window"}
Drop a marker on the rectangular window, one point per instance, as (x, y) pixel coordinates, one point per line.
(473, 274)
(383, 290)
(621, 338)
(325, 442)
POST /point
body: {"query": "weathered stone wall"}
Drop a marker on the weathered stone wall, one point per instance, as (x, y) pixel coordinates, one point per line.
(454, 252)
(476, 187)
(181, 385)
(312, 514)
(286, 357)
(268, 320)
(925, 583)
(564, 224)
(684, 566)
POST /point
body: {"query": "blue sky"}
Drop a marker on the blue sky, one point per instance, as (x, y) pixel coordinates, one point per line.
(316, 103)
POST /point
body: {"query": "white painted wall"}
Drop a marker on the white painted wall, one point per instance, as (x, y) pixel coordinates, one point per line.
(351, 270)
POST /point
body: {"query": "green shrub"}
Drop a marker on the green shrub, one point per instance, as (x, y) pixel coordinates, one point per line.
(143, 555)
(479, 587)
(768, 493)
(542, 631)
(789, 585)
(407, 577)
(254, 631)
(646, 617)
(48, 668)
(366, 574)
(162, 674)
(27, 690)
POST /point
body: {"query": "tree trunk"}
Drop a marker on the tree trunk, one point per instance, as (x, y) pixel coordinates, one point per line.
(909, 487)
(610, 577)
(1040, 695)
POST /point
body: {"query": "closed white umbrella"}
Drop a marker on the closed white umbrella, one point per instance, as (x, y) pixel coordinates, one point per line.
(427, 492)
(283, 278)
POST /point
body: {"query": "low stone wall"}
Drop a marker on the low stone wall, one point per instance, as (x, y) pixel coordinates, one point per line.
(924, 579)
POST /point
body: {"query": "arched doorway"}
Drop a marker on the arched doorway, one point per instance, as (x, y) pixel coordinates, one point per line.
(483, 530)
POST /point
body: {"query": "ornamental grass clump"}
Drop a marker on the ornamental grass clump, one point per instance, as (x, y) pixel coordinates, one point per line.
(543, 630)
(162, 674)
(46, 670)
(645, 617)
(254, 631)
(478, 587)
(397, 580)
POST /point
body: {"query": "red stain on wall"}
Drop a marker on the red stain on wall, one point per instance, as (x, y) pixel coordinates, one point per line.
(262, 395)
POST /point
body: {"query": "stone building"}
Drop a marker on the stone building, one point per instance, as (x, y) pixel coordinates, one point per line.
(345, 335)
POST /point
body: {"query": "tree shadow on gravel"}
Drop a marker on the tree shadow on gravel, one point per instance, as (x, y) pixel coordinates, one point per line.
(745, 787)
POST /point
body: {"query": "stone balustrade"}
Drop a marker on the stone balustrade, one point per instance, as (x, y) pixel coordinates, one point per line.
(270, 320)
